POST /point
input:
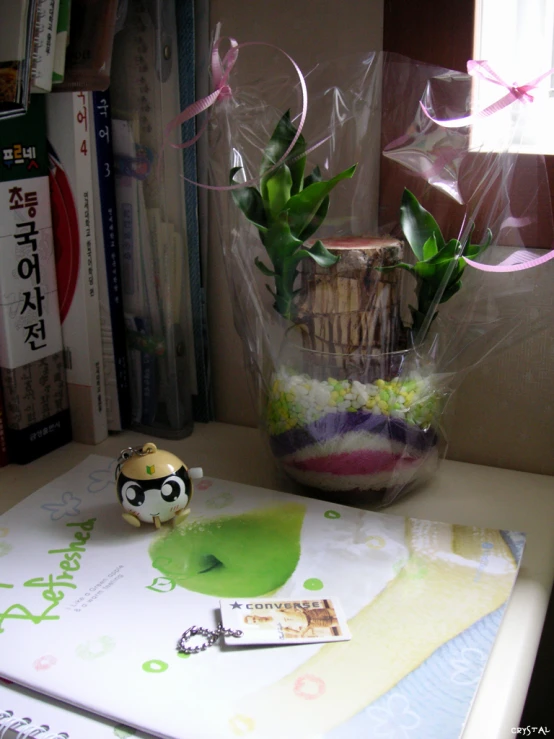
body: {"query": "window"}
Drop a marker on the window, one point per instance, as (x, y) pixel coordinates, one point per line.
(516, 37)
(425, 31)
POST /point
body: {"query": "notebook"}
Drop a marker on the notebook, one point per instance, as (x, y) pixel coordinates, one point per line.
(24, 714)
(91, 610)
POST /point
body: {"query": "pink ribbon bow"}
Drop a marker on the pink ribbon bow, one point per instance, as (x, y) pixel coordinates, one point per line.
(521, 259)
(515, 92)
(221, 70)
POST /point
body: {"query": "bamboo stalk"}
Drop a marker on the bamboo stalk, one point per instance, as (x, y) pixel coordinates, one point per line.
(352, 308)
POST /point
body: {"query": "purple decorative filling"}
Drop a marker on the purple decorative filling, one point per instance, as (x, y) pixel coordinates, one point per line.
(338, 424)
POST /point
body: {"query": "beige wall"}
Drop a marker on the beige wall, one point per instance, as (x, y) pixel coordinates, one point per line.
(503, 414)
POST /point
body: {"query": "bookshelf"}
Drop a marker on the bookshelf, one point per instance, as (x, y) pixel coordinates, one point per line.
(130, 319)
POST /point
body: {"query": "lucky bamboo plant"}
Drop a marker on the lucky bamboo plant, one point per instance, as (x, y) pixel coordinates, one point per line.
(287, 210)
(438, 260)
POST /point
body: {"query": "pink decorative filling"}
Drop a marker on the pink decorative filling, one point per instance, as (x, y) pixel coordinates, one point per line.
(361, 462)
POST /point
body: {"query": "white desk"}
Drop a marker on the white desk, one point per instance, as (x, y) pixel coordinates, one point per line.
(460, 493)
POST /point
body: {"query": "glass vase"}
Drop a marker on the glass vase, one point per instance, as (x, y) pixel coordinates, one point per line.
(351, 427)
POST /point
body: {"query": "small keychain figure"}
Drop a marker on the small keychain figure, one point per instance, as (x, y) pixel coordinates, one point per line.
(154, 486)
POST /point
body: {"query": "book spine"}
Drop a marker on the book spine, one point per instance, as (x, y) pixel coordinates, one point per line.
(127, 199)
(44, 46)
(193, 45)
(31, 369)
(89, 311)
(108, 354)
(62, 41)
(109, 269)
(69, 130)
(148, 375)
(3, 443)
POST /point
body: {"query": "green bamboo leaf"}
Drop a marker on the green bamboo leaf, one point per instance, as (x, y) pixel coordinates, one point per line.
(315, 176)
(419, 318)
(303, 207)
(418, 224)
(250, 202)
(448, 252)
(470, 234)
(488, 239)
(450, 291)
(407, 267)
(430, 247)
(401, 265)
(277, 191)
(279, 142)
(317, 220)
(426, 271)
(270, 290)
(321, 213)
(474, 250)
(435, 279)
(456, 273)
(280, 243)
(319, 253)
(263, 269)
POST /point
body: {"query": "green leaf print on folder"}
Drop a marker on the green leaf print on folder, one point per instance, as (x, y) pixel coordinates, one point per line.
(247, 555)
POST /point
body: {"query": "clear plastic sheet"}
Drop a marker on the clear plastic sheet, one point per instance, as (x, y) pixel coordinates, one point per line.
(351, 378)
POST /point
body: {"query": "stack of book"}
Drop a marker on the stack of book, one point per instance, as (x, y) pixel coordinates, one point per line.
(423, 601)
(97, 327)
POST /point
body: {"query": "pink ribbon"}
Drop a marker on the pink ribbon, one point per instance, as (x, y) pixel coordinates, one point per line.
(520, 260)
(221, 69)
(515, 92)
(517, 262)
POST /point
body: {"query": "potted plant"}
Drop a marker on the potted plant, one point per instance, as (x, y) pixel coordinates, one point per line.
(349, 409)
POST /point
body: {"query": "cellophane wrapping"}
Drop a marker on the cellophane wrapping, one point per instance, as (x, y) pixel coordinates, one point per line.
(351, 385)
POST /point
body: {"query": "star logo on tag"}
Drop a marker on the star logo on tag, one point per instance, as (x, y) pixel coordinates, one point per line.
(236, 605)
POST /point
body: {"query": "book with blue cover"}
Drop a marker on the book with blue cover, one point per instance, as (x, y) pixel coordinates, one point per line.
(112, 318)
(91, 610)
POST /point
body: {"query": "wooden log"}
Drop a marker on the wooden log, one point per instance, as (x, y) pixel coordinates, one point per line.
(352, 308)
